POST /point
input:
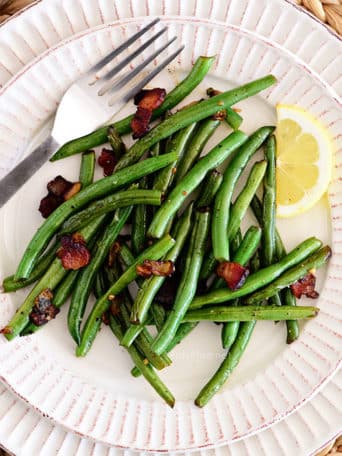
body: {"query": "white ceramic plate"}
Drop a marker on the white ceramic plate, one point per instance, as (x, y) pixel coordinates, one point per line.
(24, 432)
(250, 368)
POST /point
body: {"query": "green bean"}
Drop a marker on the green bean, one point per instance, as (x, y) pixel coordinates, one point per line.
(155, 150)
(286, 295)
(116, 142)
(144, 339)
(221, 213)
(150, 287)
(86, 277)
(203, 133)
(139, 223)
(146, 370)
(250, 313)
(109, 204)
(208, 266)
(90, 193)
(243, 200)
(10, 283)
(262, 277)
(183, 330)
(192, 180)
(87, 168)
(98, 137)
(99, 284)
(62, 293)
(50, 279)
(92, 325)
(269, 202)
(188, 282)
(291, 275)
(158, 314)
(243, 254)
(191, 114)
(133, 331)
(209, 188)
(178, 144)
(227, 366)
(233, 119)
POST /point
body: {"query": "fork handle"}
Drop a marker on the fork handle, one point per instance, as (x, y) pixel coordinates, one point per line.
(16, 178)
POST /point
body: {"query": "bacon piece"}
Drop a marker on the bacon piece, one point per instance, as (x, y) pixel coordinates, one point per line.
(49, 203)
(220, 115)
(113, 253)
(305, 286)
(147, 101)
(58, 186)
(60, 190)
(158, 268)
(233, 273)
(43, 309)
(107, 161)
(73, 252)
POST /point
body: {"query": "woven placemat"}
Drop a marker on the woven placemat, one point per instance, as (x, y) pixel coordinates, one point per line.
(327, 11)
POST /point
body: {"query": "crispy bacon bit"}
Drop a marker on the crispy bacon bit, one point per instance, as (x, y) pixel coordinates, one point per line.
(147, 101)
(220, 115)
(233, 273)
(6, 330)
(113, 253)
(115, 307)
(43, 309)
(73, 252)
(167, 292)
(107, 161)
(105, 318)
(158, 268)
(75, 188)
(49, 203)
(59, 190)
(305, 286)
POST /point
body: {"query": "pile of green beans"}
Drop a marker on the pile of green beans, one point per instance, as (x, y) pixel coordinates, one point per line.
(171, 200)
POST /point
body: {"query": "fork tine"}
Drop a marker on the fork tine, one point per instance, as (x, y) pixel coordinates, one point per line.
(141, 84)
(128, 59)
(131, 74)
(103, 62)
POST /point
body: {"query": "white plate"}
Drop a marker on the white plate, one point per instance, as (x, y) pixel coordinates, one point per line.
(24, 432)
(198, 440)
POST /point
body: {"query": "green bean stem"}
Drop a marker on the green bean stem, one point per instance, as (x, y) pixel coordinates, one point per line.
(190, 114)
(146, 370)
(188, 282)
(116, 142)
(192, 180)
(203, 133)
(98, 137)
(99, 188)
(262, 277)
(109, 204)
(221, 214)
(87, 168)
(93, 323)
(86, 277)
(50, 279)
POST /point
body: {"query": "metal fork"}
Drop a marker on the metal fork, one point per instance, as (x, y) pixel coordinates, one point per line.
(90, 102)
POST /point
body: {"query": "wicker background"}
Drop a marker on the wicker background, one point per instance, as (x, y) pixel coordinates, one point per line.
(328, 11)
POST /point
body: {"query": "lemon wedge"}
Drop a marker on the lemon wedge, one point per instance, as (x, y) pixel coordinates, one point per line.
(304, 160)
